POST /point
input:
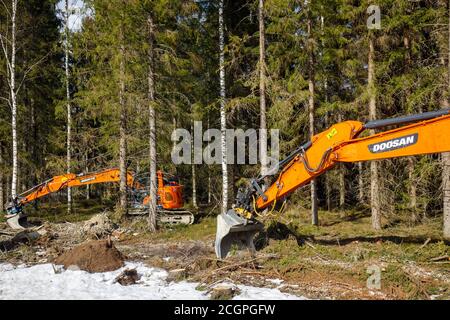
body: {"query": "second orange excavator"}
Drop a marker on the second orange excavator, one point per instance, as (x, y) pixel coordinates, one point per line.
(170, 196)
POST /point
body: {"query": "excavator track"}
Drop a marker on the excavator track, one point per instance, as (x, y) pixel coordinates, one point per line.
(166, 216)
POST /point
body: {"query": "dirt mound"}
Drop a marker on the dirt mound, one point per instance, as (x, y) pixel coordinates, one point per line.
(93, 256)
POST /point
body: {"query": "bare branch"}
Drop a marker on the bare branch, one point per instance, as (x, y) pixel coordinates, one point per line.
(29, 70)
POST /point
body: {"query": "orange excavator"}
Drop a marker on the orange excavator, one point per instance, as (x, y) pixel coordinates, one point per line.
(170, 196)
(423, 133)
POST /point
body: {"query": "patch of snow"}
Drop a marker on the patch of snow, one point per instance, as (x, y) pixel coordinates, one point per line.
(40, 281)
(167, 259)
(253, 293)
(275, 281)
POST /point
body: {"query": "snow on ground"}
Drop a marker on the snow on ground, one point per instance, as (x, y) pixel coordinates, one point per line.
(41, 282)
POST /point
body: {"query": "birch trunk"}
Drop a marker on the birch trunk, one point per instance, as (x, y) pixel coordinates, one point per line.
(122, 133)
(223, 118)
(374, 178)
(311, 110)
(13, 101)
(262, 90)
(69, 113)
(152, 126)
(193, 172)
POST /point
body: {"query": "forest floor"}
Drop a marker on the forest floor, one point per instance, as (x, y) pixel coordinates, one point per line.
(331, 261)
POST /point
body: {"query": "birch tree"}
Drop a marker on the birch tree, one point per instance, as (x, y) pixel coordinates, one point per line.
(10, 58)
(311, 111)
(262, 90)
(152, 126)
(69, 110)
(222, 109)
(122, 129)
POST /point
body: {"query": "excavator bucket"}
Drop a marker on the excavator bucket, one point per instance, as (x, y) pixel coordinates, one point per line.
(234, 230)
(17, 221)
(15, 217)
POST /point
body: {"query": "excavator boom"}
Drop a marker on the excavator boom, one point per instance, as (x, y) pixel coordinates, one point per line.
(428, 133)
(170, 197)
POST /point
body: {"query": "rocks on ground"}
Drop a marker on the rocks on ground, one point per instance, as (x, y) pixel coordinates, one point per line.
(224, 291)
(128, 277)
(93, 256)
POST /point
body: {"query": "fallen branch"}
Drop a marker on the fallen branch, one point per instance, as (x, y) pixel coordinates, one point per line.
(440, 258)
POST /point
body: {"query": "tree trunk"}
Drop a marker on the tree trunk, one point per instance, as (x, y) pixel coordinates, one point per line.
(122, 133)
(311, 110)
(209, 176)
(341, 178)
(361, 186)
(410, 165)
(152, 125)
(446, 156)
(374, 178)
(69, 113)
(194, 174)
(13, 100)
(223, 123)
(262, 91)
(2, 200)
(88, 187)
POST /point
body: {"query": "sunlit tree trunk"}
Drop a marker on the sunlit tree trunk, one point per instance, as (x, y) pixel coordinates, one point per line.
(69, 113)
(262, 90)
(194, 173)
(152, 124)
(10, 59)
(223, 123)
(311, 111)
(374, 178)
(341, 174)
(122, 131)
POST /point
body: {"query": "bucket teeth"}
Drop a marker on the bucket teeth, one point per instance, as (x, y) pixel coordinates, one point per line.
(233, 229)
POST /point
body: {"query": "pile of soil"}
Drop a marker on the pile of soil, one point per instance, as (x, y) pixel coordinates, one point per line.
(93, 256)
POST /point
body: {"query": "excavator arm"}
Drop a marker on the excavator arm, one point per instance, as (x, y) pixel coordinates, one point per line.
(424, 133)
(14, 211)
(58, 183)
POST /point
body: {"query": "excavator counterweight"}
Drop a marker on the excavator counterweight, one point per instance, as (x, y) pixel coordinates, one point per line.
(423, 133)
